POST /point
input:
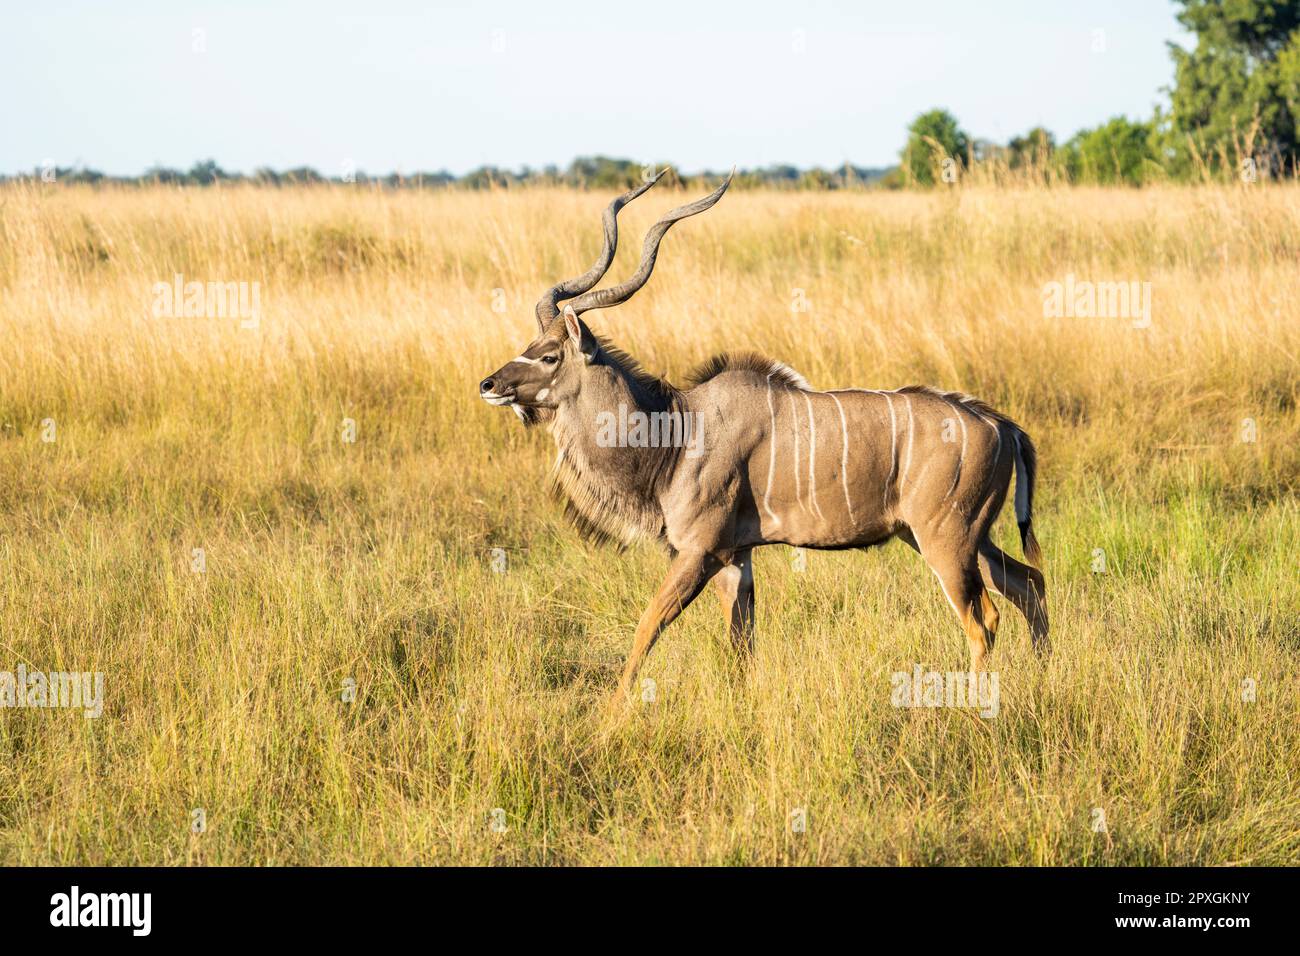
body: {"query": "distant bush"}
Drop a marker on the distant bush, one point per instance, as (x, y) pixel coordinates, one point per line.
(1120, 151)
(933, 138)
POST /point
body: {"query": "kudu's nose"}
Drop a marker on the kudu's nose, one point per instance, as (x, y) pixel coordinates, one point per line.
(486, 385)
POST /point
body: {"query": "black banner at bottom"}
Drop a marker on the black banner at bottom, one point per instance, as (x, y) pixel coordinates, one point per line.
(335, 906)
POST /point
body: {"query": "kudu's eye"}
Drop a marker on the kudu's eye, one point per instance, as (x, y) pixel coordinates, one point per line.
(549, 359)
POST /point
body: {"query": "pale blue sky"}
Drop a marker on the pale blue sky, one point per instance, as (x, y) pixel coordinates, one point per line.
(412, 86)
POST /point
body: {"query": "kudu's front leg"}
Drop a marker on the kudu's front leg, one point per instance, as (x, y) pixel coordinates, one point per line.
(735, 587)
(687, 576)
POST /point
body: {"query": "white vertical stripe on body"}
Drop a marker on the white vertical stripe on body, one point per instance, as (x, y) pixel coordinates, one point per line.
(771, 458)
(893, 447)
(812, 458)
(911, 439)
(956, 476)
(844, 456)
(794, 422)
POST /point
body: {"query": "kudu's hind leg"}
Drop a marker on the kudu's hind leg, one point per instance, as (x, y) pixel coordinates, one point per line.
(735, 587)
(990, 614)
(960, 579)
(687, 576)
(1022, 585)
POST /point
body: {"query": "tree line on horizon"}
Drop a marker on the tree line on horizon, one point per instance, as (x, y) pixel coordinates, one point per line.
(585, 172)
(1233, 111)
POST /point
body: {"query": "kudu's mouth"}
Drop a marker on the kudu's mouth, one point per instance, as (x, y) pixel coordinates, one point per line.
(494, 394)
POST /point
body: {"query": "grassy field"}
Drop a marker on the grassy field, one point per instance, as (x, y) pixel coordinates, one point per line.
(127, 441)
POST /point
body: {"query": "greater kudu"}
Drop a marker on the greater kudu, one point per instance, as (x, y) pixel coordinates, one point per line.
(765, 459)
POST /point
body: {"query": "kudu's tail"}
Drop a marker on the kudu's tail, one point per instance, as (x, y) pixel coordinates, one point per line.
(1026, 466)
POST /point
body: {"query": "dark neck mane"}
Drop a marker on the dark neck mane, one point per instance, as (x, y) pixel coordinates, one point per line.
(650, 392)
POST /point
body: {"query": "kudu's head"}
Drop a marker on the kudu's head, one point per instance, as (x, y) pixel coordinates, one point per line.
(551, 370)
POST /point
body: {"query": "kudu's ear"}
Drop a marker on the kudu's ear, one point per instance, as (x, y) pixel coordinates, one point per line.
(579, 334)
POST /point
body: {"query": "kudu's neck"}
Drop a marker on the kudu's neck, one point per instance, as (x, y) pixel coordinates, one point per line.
(612, 461)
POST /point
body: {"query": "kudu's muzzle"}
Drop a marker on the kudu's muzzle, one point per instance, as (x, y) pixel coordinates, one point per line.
(495, 390)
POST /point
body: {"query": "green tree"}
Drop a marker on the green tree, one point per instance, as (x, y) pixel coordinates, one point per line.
(1242, 77)
(205, 172)
(1120, 151)
(1033, 148)
(932, 138)
(602, 172)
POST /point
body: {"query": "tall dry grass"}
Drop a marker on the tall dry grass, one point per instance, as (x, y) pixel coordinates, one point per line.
(328, 561)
